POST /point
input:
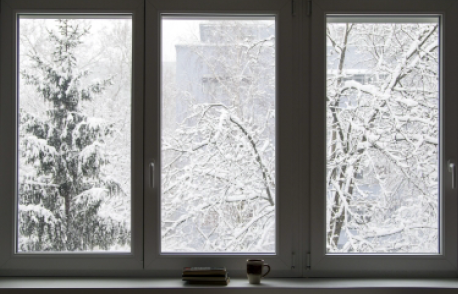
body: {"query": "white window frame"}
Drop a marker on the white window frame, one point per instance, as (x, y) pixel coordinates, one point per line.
(300, 137)
(287, 185)
(59, 264)
(373, 265)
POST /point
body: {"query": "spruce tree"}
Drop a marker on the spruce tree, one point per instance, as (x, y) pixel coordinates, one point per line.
(62, 182)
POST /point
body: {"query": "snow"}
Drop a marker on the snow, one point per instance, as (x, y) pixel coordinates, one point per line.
(218, 142)
(383, 168)
(70, 197)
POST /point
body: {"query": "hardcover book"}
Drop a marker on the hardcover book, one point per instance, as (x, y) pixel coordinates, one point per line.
(204, 271)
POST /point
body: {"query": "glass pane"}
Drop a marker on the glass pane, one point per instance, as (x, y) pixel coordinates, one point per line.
(218, 135)
(74, 127)
(382, 135)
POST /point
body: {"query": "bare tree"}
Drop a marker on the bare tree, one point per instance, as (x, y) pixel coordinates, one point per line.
(218, 176)
(383, 136)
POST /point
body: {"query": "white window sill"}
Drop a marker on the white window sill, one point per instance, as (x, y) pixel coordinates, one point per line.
(239, 286)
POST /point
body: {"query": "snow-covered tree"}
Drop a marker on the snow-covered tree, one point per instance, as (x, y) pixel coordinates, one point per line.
(66, 200)
(218, 174)
(383, 136)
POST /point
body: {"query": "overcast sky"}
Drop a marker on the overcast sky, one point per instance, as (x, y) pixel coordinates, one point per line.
(174, 31)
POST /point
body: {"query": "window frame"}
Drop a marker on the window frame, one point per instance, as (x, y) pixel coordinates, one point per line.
(373, 265)
(58, 264)
(300, 137)
(287, 187)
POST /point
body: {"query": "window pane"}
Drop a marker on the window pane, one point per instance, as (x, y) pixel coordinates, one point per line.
(218, 135)
(74, 126)
(383, 135)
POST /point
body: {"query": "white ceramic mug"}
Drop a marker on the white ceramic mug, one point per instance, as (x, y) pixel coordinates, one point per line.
(254, 270)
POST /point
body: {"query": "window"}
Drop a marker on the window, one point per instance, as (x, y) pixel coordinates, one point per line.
(218, 149)
(386, 205)
(74, 166)
(386, 126)
(143, 136)
(73, 182)
(218, 155)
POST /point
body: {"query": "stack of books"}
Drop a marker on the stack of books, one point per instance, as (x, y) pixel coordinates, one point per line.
(206, 275)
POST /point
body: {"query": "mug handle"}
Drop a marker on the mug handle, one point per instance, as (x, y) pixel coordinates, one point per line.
(267, 271)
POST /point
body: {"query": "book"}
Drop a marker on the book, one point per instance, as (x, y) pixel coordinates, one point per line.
(205, 278)
(204, 271)
(225, 282)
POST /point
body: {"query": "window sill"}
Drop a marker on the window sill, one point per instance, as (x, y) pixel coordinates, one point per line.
(286, 285)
